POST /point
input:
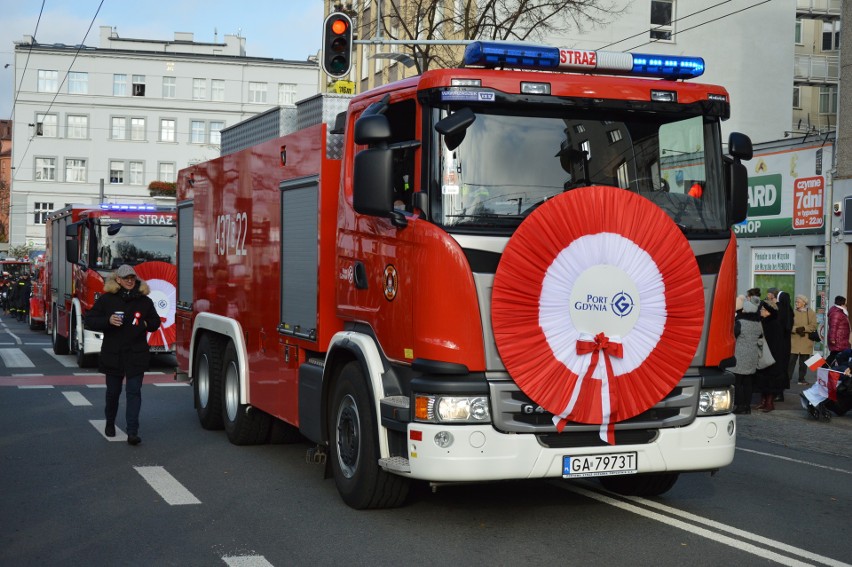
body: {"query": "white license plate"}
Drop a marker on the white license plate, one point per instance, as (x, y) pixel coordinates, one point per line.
(599, 465)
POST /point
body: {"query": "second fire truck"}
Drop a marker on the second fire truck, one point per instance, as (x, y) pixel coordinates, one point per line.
(85, 243)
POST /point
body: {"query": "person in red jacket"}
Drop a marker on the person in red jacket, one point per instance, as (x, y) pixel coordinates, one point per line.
(125, 314)
(838, 329)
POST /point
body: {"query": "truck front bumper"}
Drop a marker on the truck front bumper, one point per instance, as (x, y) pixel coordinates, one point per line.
(480, 453)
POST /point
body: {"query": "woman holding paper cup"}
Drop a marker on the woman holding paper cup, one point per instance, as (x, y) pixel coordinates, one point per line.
(125, 314)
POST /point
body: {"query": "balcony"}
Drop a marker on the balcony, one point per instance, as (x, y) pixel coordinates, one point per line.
(815, 70)
(818, 9)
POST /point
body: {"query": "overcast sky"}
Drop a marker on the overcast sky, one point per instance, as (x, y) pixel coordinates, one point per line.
(283, 29)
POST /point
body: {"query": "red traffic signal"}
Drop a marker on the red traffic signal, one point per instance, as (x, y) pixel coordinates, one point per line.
(337, 44)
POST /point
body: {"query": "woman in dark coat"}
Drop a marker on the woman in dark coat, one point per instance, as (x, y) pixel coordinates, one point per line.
(125, 314)
(770, 381)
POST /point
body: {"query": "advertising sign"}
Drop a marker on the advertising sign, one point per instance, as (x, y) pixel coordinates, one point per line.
(786, 192)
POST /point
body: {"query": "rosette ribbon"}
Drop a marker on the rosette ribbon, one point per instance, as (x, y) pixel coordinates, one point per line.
(594, 347)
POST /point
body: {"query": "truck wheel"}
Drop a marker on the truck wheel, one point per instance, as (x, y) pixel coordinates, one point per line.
(353, 442)
(207, 382)
(649, 484)
(244, 424)
(60, 343)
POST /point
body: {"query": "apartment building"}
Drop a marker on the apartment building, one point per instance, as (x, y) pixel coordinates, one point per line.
(5, 180)
(102, 123)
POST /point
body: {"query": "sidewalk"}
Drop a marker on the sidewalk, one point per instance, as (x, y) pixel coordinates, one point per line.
(790, 425)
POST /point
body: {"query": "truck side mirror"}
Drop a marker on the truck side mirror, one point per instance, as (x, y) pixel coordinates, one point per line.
(372, 188)
(72, 248)
(740, 148)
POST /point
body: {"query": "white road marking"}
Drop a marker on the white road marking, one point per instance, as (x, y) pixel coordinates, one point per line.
(15, 358)
(797, 461)
(99, 424)
(63, 359)
(167, 486)
(778, 545)
(36, 387)
(698, 530)
(76, 398)
(96, 385)
(247, 561)
(171, 384)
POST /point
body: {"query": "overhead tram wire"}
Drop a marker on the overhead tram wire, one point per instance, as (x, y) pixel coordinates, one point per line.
(27, 62)
(706, 22)
(64, 78)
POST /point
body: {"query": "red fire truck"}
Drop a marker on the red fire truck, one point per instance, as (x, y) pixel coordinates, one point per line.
(85, 243)
(476, 274)
(40, 292)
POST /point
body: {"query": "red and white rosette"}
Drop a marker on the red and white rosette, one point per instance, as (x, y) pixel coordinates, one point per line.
(597, 306)
(160, 277)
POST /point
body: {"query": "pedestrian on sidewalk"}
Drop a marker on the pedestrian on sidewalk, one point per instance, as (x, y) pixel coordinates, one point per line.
(785, 320)
(802, 347)
(769, 381)
(838, 329)
(746, 351)
(125, 314)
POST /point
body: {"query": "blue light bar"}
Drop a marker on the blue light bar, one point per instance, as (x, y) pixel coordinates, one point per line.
(492, 54)
(122, 207)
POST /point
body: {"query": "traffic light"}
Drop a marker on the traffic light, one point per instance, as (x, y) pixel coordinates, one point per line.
(337, 44)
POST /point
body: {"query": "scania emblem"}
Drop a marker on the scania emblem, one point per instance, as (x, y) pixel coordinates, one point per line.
(391, 282)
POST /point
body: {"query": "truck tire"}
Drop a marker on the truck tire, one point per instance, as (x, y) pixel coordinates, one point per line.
(60, 343)
(354, 447)
(207, 382)
(648, 484)
(244, 424)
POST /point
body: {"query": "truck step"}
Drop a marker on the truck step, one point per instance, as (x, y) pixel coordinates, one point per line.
(395, 464)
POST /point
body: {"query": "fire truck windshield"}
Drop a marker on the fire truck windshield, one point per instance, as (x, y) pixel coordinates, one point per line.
(134, 244)
(507, 164)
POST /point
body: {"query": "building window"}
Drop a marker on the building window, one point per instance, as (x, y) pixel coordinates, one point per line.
(78, 83)
(830, 36)
(169, 87)
(119, 85)
(797, 100)
(196, 132)
(215, 132)
(166, 172)
(217, 90)
(828, 100)
(199, 89)
(45, 169)
(257, 92)
(797, 35)
(167, 130)
(47, 125)
(286, 93)
(77, 127)
(137, 129)
(138, 85)
(137, 173)
(75, 170)
(48, 81)
(116, 172)
(41, 211)
(119, 128)
(614, 136)
(662, 12)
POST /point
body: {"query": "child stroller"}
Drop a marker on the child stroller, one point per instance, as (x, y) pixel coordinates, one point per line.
(829, 394)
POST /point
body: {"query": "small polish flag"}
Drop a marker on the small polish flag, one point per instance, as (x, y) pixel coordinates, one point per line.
(815, 362)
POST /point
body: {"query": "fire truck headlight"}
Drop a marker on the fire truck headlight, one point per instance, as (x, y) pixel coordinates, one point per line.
(714, 401)
(434, 408)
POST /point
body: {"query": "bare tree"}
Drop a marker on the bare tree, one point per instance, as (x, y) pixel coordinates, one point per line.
(513, 20)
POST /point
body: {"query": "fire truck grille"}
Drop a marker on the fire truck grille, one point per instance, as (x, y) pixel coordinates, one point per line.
(514, 412)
